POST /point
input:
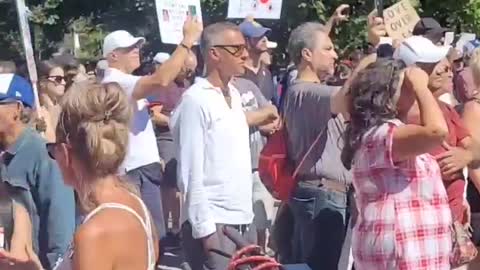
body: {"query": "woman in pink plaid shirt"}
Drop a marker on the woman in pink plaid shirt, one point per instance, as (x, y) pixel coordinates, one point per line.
(404, 218)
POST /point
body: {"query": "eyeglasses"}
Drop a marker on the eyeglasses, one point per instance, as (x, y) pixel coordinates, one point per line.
(57, 79)
(235, 50)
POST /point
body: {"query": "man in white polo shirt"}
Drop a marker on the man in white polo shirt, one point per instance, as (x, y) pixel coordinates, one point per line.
(142, 164)
(211, 134)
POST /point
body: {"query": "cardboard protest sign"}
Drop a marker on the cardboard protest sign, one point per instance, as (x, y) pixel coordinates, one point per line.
(171, 16)
(259, 9)
(400, 19)
(27, 45)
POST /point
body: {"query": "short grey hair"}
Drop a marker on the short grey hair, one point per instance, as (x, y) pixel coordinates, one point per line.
(213, 34)
(303, 37)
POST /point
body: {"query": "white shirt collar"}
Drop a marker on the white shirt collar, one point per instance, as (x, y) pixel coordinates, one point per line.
(204, 83)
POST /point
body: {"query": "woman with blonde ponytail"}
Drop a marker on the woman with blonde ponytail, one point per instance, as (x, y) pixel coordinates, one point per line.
(92, 136)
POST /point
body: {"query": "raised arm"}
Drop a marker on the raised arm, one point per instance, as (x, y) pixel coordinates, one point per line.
(339, 104)
(340, 15)
(413, 140)
(167, 72)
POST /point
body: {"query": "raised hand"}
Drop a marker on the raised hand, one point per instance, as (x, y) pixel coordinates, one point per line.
(341, 13)
(416, 79)
(192, 30)
(376, 28)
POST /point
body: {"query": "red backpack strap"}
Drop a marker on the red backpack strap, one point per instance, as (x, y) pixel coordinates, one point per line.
(304, 158)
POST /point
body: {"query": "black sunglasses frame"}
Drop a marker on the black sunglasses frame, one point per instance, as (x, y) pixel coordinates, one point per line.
(238, 49)
(57, 79)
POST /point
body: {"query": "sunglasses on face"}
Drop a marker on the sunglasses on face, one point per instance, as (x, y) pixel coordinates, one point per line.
(51, 147)
(235, 50)
(57, 79)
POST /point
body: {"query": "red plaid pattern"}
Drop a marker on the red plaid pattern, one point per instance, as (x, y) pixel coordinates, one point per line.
(404, 218)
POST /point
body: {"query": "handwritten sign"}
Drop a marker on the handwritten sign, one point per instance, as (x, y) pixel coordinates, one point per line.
(259, 9)
(171, 16)
(27, 45)
(400, 19)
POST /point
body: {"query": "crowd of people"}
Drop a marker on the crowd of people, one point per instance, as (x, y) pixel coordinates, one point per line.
(117, 166)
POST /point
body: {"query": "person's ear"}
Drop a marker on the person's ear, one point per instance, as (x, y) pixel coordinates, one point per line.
(307, 55)
(214, 53)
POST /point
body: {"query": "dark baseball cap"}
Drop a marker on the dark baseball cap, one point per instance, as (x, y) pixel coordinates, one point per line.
(253, 29)
(429, 28)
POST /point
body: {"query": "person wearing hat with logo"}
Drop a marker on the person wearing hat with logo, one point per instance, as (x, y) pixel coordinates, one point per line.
(256, 71)
(35, 176)
(142, 163)
(459, 149)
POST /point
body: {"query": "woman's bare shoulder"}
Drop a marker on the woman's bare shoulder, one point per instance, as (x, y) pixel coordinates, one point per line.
(109, 222)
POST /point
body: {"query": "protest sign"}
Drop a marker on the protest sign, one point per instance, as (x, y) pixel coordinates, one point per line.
(464, 39)
(27, 45)
(449, 38)
(259, 9)
(400, 19)
(171, 16)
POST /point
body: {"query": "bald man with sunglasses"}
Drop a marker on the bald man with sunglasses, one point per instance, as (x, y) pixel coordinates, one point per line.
(211, 134)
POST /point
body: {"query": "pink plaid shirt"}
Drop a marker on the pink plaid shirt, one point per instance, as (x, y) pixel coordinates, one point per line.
(404, 218)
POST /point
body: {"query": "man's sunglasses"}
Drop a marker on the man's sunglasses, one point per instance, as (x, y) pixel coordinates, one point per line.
(235, 50)
(57, 79)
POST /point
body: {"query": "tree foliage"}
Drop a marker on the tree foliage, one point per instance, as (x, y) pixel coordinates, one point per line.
(55, 21)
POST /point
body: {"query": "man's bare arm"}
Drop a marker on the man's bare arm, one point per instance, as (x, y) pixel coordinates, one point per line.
(340, 15)
(261, 117)
(168, 71)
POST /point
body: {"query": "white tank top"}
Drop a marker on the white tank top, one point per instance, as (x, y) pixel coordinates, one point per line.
(66, 262)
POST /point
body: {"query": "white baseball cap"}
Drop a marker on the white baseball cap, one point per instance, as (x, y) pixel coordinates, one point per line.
(119, 39)
(161, 57)
(417, 49)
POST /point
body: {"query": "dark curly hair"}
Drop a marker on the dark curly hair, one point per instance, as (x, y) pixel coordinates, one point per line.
(373, 102)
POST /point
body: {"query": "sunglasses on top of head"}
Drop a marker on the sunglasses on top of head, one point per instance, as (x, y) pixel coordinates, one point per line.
(235, 50)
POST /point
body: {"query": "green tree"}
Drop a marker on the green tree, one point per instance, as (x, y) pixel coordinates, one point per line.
(53, 20)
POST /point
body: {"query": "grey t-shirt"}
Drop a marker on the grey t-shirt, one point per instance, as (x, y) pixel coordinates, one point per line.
(307, 112)
(263, 80)
(252, 99)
